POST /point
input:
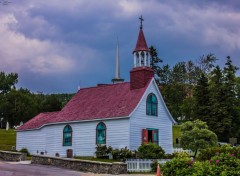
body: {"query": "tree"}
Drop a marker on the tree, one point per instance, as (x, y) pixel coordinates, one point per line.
(230, 96)
(206, 63)
(51, 103)
(201, 99)
(155, 60)
(218, 120)
(164, 75)
(196, 136)
(7, 82)
(20, 106)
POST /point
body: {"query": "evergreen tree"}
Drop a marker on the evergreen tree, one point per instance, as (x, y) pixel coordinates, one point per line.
(218, 121)
(155, 60)
(231, 97)
(201, 98)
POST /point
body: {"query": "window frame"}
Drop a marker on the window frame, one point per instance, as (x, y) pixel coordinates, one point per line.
(105, 133)
(64, 137)
(150, 110)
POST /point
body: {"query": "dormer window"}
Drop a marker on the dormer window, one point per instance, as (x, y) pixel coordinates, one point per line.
(152, 105)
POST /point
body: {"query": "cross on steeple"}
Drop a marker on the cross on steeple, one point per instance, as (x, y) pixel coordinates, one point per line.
(141, 20)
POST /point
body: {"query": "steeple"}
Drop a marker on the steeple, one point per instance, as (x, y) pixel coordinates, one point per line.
(141, 51)
(141, 72)
(117, 79)
(141, 42)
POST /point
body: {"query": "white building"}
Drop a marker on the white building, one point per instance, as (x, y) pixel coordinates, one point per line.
(120, 115)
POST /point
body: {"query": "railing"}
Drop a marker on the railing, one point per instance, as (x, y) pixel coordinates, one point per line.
(142, 165)
(190, 152)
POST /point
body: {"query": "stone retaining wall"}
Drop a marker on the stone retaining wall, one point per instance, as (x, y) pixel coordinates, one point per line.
(81, 165)
(12, 156)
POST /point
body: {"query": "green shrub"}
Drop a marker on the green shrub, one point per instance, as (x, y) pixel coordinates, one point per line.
(25, 150)
(208, 153)
(122, 154)
(222, 164)
(181, 155)
(150, 151)
(178, 166)
(102, 151)
(168, 156)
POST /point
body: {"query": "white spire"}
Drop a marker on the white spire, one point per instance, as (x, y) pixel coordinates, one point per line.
(117, 63)
(117, 79)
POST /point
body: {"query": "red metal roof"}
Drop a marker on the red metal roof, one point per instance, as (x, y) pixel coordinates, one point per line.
(108, 101)
(141, 42)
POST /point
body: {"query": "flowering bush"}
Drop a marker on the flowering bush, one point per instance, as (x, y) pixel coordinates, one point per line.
(180, 165)
(222, 164)
(206, 154)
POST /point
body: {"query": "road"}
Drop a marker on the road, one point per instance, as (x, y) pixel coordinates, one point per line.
(26, 169)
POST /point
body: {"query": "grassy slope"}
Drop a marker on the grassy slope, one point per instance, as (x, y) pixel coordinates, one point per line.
(7, 139)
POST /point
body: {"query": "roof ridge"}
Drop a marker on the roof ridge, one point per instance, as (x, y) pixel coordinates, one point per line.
(104, 85)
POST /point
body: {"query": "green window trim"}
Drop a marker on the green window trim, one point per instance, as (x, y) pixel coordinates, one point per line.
(101, 133)
(152, 105)
(67, 136)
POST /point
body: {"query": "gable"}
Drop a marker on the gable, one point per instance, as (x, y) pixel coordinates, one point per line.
(153, 88)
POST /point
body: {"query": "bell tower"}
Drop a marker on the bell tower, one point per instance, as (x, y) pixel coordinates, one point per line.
(141, 72)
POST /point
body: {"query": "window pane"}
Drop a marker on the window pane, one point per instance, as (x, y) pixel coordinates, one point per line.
(151, 105)
(154, 99)
(149, 108)
(101, 134)
(155, 136)
(154, 108)
(67, 136)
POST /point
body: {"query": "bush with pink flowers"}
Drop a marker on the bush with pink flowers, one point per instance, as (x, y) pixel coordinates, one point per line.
(222, 164)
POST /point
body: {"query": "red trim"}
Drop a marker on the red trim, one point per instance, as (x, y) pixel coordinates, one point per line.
(144, 136)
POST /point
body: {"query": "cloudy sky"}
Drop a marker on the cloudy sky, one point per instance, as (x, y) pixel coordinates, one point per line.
(55, 45)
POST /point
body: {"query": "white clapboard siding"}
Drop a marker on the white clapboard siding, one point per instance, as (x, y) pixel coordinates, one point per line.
(139, 120)
(50, 138)
(34, 141)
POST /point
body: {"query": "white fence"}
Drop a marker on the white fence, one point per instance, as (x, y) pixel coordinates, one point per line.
(190, 152)
(142, 165)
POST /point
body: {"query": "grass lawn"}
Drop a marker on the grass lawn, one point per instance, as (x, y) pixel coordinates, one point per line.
(176, 133)
(7, 139)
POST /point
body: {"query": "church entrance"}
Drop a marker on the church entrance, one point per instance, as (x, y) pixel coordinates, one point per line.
(150, 135)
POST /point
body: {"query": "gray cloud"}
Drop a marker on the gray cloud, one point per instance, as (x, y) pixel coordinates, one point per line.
(63, 43)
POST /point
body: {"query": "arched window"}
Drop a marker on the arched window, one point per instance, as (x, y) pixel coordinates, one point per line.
(152, 105)
(101, 133)
(67, 135)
